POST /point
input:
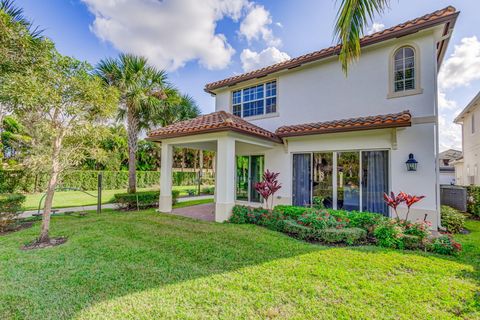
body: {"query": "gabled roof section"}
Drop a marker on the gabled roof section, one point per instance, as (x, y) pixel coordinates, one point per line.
(445, 16)
(469, 108)
(394, 120)
(212, 122)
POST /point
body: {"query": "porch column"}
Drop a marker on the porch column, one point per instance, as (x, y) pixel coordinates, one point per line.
(225, 178)
(165, 201)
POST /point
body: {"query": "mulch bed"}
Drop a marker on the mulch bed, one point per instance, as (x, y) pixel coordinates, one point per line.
(21, 226)
(40, 245)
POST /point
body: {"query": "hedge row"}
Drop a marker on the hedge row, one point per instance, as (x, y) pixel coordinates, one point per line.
(141, 200)
(19, 181)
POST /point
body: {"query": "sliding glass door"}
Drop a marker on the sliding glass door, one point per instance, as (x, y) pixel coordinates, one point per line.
(249, 172)
(350, 180)
(302, 183)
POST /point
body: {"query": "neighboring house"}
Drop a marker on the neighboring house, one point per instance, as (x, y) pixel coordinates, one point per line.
(468, 168)
(446, 161)
(344, 140)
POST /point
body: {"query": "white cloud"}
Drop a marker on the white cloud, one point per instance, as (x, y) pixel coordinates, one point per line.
(252, 60)
(450, 133)
(170, 32)
(376, 27)
(256, 26)
(463, 66)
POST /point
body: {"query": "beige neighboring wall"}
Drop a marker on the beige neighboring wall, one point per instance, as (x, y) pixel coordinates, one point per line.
(469, 119)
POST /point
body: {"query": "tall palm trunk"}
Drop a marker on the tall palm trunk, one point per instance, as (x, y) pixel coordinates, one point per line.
(52, 184)
(132, 131)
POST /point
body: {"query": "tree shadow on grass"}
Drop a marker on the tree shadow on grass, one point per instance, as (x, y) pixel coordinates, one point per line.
(115, 254)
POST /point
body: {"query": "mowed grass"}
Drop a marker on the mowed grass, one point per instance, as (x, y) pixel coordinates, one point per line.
(66, 199)
(144, 265)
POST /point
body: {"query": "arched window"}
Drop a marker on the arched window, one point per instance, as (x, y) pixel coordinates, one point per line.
(404, 69)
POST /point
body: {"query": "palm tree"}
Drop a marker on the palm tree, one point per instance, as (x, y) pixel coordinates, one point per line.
(352, 18)
(16, 13)
(142, 91)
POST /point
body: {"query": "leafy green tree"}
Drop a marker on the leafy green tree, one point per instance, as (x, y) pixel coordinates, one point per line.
(14, 140)
(142, 90)
(62, 102)
(352, 18)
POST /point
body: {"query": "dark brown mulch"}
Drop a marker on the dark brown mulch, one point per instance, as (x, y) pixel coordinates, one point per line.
(40, 245)
(21, 226)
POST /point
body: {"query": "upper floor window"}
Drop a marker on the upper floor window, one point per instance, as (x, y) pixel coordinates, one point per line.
(256, 100)
(404, 69)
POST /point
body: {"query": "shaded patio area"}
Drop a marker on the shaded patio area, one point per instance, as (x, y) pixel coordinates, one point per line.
(202, 212)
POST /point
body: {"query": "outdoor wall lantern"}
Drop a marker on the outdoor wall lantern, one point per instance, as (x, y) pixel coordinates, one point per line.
(411, 163)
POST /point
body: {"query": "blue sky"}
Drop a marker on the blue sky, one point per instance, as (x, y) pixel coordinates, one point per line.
(203, 41)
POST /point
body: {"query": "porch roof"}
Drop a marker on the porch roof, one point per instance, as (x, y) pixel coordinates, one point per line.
(212, 122)
(393, 120)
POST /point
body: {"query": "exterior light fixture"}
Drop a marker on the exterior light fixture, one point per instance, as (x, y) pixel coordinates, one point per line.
(411, 163)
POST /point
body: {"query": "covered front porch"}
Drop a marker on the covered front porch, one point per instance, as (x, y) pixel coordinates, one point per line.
(226, 135)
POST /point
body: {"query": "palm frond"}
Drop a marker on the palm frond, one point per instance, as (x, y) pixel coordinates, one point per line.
(352, 18)
(17, 15)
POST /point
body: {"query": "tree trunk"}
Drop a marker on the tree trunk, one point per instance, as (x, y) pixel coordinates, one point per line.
(52, 184)
(132, 130)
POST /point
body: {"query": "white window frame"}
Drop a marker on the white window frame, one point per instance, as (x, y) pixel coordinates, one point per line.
(335, 174)
(259, 116)
(417, 73)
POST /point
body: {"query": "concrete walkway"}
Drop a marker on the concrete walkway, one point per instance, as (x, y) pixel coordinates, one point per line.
(30, 213)
(202, 212)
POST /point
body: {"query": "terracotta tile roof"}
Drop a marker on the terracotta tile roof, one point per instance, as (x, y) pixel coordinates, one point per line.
(213, 122)
(448, 14)
(394, 120)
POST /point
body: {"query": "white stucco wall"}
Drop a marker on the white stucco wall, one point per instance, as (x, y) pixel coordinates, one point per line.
(321, 92)
(471, 148)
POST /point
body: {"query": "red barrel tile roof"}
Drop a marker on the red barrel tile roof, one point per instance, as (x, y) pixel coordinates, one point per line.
(213, 122)
(429, 20)
(394, 120)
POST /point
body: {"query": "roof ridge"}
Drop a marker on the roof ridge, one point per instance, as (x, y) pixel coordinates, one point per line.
(328, 51)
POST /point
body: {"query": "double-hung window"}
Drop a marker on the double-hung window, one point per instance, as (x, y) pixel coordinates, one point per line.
(256, 100)
(404, 69)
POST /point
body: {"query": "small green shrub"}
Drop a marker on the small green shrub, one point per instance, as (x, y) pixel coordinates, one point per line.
(349, 236)
(208, 190)
(292, 211)
(365, 220)
(240, 215)
(191, 192)
(299, 231)
(445, 245)
(140, 200)
(473, 200)
(419, 229)
(321, 220)
(10, 208)
(452, 219)
(389, 235)
(412, 242)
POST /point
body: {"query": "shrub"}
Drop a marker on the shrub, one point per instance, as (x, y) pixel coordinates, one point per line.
(144, 199)
(208, 190)
(412, 242)
(452, 219)
(10, 207)
(321, 220)
(445, 245)
(240, 215)
(191, 192)
(389, 234)
(473, 203)
(292, 211)
(419, 229)
(365, 220)
(349, 236)
(299, 231)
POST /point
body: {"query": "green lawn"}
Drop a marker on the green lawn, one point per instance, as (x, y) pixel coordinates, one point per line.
(144, 265)
(65, 199)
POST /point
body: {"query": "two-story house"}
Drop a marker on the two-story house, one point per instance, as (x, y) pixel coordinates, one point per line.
(336, 139)
(467, 169)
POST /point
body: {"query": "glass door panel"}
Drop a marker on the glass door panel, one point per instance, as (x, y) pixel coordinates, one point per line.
(374, 181)
(302, 179)
(348, 180)
(256, 172)
(243, 163)
(323, 178)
